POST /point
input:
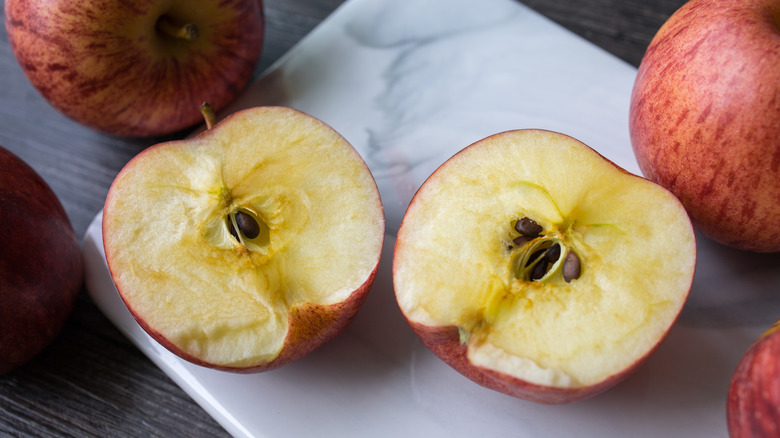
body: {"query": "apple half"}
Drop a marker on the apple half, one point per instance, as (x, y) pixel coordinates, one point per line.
(538, 268)
(248, 246)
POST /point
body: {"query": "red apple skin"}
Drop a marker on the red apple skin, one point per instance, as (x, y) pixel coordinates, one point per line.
(704, 118)
(753, 405)
(101, 62)
(40, 263)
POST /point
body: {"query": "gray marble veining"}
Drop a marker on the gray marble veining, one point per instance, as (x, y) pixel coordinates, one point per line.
(411, 83)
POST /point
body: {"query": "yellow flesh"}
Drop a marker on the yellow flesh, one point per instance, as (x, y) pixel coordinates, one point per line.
(184, 275)
(452, 265)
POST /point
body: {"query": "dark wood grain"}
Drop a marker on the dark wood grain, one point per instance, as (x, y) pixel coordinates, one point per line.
(92, 381)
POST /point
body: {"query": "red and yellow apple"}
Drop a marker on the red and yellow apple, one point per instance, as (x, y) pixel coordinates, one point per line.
(705, 118)
(40, 263)
(536, 267)
(753, 406)
(248, 246)
(136, 68)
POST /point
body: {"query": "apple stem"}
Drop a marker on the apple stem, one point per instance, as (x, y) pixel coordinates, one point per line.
(189, 31)
(208, 114)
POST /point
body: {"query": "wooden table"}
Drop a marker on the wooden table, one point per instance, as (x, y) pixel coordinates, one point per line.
(92, 381)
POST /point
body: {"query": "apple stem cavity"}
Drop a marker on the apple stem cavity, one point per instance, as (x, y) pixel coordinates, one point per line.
(189, 31)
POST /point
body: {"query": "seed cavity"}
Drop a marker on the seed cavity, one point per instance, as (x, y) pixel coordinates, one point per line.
(248, 229)
(539, 256)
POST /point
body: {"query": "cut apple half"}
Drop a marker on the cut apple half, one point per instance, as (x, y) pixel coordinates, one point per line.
(538, 268)
(249, 245)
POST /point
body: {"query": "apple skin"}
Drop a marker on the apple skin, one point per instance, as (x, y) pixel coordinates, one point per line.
(104, 64)
(753, 405)
(704, 118)
(40, 263)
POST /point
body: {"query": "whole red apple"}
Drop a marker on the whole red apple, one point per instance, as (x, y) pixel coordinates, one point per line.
(705, 117)
(753, 407)
(40, 263)
(139, 68)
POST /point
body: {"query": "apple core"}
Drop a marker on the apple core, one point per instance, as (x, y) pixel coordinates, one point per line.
(538, 257)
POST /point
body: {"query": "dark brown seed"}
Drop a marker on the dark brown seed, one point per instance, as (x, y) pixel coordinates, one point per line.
(553, 253)
(528, 227)
(571, 267)
(538, 253)
(247, 225)
(521, 240)
(232, 229)
(539, 270)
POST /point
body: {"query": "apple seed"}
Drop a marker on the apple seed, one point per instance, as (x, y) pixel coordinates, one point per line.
(539, 270)
(247, 225)
(521, 240)
(536, 254)
(528, 227)
(232, 229)
(249, 229)
(571, 267)
(553, 253)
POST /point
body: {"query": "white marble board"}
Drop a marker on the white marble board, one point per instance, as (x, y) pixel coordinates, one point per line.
(409, 83)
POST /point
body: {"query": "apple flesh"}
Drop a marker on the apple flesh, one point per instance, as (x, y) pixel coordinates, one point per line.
(753, 406)
(536, 267)
(130, 68)
(249, 245)
(40, 263)
(704, 118)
